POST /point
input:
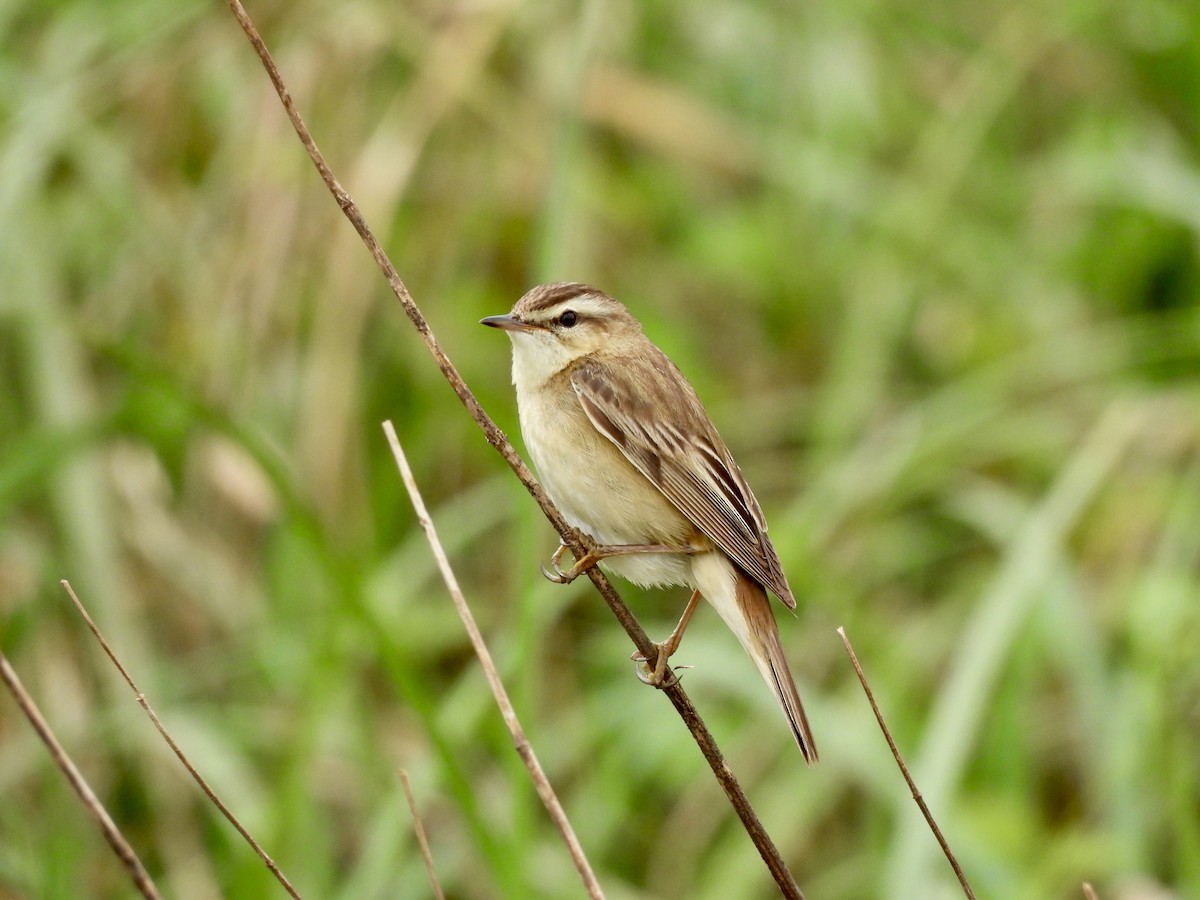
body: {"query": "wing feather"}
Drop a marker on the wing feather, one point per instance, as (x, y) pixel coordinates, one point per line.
(650, 412)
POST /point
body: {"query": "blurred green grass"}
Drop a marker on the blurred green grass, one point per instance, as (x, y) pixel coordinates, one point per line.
(934, 269)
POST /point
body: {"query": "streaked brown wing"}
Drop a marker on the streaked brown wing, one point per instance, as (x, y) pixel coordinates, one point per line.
(649, 411)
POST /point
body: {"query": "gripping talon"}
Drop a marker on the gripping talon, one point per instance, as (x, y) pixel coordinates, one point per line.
(558, 576)
(596, 552)
(656, 675)
(675, 676)
(643, 673)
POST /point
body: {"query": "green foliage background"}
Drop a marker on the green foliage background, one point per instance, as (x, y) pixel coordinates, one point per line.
(933, 267)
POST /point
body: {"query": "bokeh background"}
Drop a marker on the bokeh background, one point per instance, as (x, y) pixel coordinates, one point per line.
(933, 267)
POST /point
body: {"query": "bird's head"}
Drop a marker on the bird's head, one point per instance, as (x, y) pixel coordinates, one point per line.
(556, 324)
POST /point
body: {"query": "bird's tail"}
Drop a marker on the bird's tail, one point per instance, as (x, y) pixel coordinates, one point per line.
(744, 605)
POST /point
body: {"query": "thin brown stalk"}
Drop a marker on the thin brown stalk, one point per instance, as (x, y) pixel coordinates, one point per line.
(116, 840)
(175, 748)
(524, 748)
(1089, 892)
(495, 437)
(912, 785)
(422, 842)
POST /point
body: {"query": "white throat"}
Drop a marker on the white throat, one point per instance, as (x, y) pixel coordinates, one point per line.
(537, 357)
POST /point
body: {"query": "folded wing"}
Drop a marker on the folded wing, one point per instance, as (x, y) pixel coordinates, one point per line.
(655, 418)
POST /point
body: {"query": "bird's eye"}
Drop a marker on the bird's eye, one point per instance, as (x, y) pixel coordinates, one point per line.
(568, 318)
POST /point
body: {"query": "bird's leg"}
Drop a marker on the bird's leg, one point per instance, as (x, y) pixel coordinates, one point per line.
(654, 677)
(602, 551)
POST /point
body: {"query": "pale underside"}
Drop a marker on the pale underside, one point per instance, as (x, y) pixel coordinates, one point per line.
(647, 466)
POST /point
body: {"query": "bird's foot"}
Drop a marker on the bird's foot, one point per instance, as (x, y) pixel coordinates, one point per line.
(565, 576)
(595, 553)
(656, 675)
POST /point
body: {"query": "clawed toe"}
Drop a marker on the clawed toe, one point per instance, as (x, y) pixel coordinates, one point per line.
(656, 675)
(597, 552)
(646, 675)
(556, 573)
(675, 677)
(558, 576)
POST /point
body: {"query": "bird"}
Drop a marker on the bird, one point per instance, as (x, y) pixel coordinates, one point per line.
(624, 447)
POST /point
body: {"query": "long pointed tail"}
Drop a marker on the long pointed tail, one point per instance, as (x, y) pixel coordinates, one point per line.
(743, 603)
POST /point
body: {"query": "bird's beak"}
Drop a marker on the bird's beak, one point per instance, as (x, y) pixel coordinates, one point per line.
(509, 323)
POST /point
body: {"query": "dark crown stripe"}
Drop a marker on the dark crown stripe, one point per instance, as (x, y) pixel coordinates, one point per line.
(549, 295)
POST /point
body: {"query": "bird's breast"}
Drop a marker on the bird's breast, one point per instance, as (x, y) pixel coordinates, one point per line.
(598, 490)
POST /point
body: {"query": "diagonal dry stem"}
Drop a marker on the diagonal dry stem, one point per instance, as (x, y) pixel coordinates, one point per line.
(422, 841)
(495, 437)
(524, 748)
(175, 748)
(912, 785)
(116, 840)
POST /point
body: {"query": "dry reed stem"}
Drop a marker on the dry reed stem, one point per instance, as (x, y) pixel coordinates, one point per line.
(524, 748)
(422, 841)
(175, 748)
(137, 872)
(912, 786)
(495, 437)
(1089, 892)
